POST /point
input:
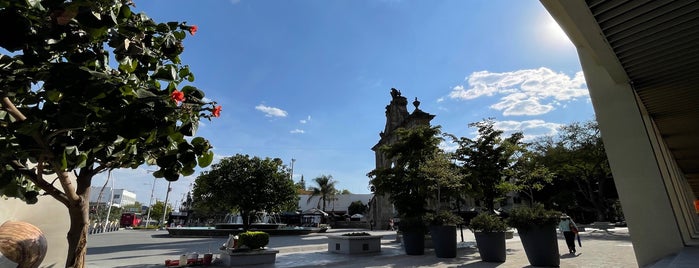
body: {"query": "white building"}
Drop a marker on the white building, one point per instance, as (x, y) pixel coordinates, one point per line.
(122, 197)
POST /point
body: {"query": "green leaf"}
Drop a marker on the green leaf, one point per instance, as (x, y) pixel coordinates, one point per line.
(206, 159)
(82, 161)
(188, 129)
(124, 12)
(172, 25)
(158, 174)
(188, 170)
(142, 93)
(179, 35)
(127, 65)
(193, 92)
(54, 95)
(35, 4)
(64, 161)
(112, 20)
(167, 73)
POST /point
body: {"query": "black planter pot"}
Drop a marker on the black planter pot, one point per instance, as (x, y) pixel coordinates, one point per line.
(491, 246)
(414, 243)
(541, 245)
(444, 241)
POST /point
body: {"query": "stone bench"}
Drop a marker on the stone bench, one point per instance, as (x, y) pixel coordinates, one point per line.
(354, 244)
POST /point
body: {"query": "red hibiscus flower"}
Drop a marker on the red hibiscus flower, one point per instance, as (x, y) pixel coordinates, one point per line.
(177, 96)
(193, 29)
(217, 111)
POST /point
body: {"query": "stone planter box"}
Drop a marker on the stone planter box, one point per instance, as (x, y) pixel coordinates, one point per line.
(354, 244)
(235, 258)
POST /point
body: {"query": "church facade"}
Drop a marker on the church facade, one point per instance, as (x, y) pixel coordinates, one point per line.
(397, 116)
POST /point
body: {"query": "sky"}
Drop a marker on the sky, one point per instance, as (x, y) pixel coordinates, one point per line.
(310, 79)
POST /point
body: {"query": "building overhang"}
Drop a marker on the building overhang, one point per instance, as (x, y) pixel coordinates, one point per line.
(653, 46)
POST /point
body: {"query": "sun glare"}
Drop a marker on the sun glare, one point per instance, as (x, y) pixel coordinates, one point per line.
(553, 33)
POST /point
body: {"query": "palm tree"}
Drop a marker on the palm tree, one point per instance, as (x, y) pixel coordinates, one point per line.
(325, 189)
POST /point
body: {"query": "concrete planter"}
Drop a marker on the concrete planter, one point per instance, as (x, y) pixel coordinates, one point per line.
(541, 245)
(444, 240)
(235, 258)
(354, 244)
(491, 246)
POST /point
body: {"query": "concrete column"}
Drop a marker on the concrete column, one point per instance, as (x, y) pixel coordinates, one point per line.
(633, 157)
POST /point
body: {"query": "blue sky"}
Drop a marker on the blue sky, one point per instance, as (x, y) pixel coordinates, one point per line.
(310, 79)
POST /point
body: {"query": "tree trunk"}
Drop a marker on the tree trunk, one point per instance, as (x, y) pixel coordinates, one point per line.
(246, 219)
(77, 234)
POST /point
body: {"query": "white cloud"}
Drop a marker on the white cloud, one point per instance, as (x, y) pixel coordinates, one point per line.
(271, 111)
(297, 131)
(524, 92)
(531, 128)
(448, 146)
(304, 121)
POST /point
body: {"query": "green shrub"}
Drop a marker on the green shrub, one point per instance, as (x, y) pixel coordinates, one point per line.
(253, 240)
(537, 215)
(356, 234)
(487, 223)
(444, 217)
(412, 225)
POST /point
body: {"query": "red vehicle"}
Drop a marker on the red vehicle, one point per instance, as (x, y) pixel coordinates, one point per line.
(129, 219)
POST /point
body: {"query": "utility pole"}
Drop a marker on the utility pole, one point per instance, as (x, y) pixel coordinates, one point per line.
(111, 199)
(167, 194)
(150, 203)
(292, 169)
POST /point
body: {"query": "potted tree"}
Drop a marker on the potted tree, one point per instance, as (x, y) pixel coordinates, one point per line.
(406, 183)
(442, 225)
(536, 227)
(490, 231)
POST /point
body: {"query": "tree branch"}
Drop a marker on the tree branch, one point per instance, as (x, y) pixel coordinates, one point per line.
(66, 184)
(44, 185)
(10, 108)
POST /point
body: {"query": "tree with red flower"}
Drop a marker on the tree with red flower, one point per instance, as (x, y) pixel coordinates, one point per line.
(67, 113)
(177, 96)
(217, 111)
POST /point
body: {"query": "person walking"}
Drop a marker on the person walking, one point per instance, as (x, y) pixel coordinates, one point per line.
(390, 224)
(569, 230)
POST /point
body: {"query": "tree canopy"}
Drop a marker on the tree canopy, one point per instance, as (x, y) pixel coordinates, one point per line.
(485, 160)
(583, 181)
(90, 86)
(245, 184)
(325, 190)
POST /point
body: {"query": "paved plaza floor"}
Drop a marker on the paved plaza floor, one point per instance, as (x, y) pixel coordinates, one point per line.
(135, 248)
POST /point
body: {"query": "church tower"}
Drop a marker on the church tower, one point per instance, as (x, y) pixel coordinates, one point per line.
(397, 116)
